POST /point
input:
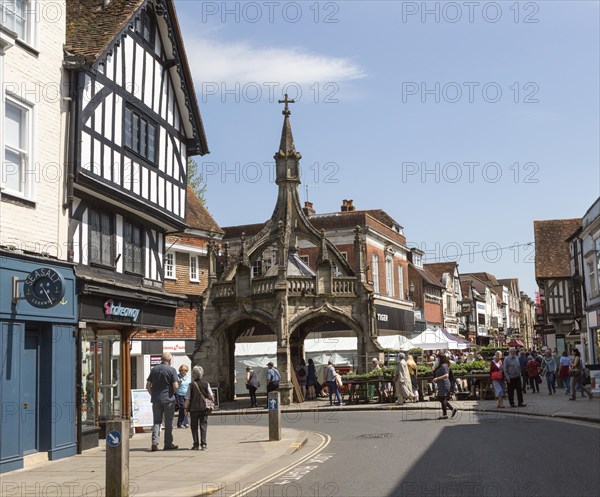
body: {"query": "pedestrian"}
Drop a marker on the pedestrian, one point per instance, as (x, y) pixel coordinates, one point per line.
(412, 369)
(441, 378)
(402, 381)
(273, 378)
(577, 374)
(252, 385)
(184, 383)
(311, 380)
(301, 376)
(533, 374)
(197, 394)
(556, 358)
(162, 383)
(549, 369)
(565, 362)
(332, 388)
(497, 377)
(523, 364)
(512, 373)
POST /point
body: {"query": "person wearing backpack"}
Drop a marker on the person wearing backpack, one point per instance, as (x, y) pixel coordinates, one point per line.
(273, 378)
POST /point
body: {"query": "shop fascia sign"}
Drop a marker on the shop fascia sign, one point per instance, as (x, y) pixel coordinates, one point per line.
(174, 346)
(117, 310)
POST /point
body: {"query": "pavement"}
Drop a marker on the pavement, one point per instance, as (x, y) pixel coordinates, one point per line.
(537, 404)
(239, 453)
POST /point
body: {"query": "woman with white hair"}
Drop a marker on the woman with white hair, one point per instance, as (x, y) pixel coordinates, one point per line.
(402, 381)
(497, 377)
(195, 404)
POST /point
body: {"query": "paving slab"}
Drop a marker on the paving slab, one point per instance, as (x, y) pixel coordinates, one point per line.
(234, 454)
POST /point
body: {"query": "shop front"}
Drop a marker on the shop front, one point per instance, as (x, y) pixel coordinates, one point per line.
(38, 315)
(109, 318)
(394, 320)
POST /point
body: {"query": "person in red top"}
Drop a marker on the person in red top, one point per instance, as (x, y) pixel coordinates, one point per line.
(533, 373)
(497, 377)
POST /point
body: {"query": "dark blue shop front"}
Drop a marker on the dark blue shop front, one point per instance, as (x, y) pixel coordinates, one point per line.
(37, 360)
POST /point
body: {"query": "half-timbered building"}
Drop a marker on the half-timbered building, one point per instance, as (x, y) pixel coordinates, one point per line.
(38, 304)
(553, 276)
(134, 122)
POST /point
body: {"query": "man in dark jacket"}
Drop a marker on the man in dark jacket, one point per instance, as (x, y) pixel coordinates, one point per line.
(523, 363)
(162, 383)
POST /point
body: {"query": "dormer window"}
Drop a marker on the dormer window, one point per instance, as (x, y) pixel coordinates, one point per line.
(417, 260)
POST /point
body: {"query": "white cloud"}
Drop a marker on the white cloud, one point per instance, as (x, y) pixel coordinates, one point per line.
(240, 62)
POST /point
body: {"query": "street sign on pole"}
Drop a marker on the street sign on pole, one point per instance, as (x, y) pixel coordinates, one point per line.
(113, 439)
(117, 458)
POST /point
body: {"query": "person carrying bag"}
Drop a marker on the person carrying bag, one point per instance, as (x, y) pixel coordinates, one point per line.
(200, 404)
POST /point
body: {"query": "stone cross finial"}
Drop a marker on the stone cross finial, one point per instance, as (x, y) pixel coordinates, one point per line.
(286, 101)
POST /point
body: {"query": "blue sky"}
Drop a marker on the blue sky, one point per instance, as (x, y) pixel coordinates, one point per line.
(465, 123)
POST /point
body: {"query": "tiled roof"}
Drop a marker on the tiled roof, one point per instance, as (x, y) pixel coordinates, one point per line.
(232, 232)
(486, 278)
(197, 216)
(91, 27)
(511, 283)
(551, 248)
(375, 218)
(439, 268)
(427, 276)
(476, 283)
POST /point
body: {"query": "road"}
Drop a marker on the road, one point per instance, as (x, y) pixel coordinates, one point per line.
(412, 454)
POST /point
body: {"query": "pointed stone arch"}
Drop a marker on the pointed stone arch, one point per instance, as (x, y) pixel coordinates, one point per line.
(290, 292)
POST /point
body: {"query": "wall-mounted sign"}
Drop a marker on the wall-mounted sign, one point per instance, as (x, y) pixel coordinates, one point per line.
(44, 288)
(111, 309)
(174, 346)
(392, 318)
(155, 360)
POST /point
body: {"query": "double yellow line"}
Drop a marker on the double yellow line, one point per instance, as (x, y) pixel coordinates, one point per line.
(325, 440)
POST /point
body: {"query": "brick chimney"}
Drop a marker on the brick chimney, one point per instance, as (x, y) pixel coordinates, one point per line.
(347, 205)
(308, 209)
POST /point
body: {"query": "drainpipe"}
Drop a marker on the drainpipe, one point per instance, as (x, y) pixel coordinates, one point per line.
(72, 138)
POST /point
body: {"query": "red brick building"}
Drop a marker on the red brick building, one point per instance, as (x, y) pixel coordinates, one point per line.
(386, 255)
(426, 292)
(185, 273)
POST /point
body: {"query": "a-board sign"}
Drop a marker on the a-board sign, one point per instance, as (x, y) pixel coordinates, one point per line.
(141, 407)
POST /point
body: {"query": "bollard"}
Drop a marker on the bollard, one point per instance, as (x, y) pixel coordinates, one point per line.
(117, 458)
(274, 403)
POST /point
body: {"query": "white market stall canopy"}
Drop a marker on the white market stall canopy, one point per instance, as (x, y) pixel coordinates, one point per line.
(431, 340)
(339, 350)
(317, 345)
(439, 339)
(395, 342)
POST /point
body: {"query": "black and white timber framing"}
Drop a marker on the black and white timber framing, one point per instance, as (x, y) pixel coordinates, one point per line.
(557, 294)
(136, 120)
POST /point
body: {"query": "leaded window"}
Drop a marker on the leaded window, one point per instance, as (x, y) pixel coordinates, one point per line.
(140, 134)
(133, 246)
